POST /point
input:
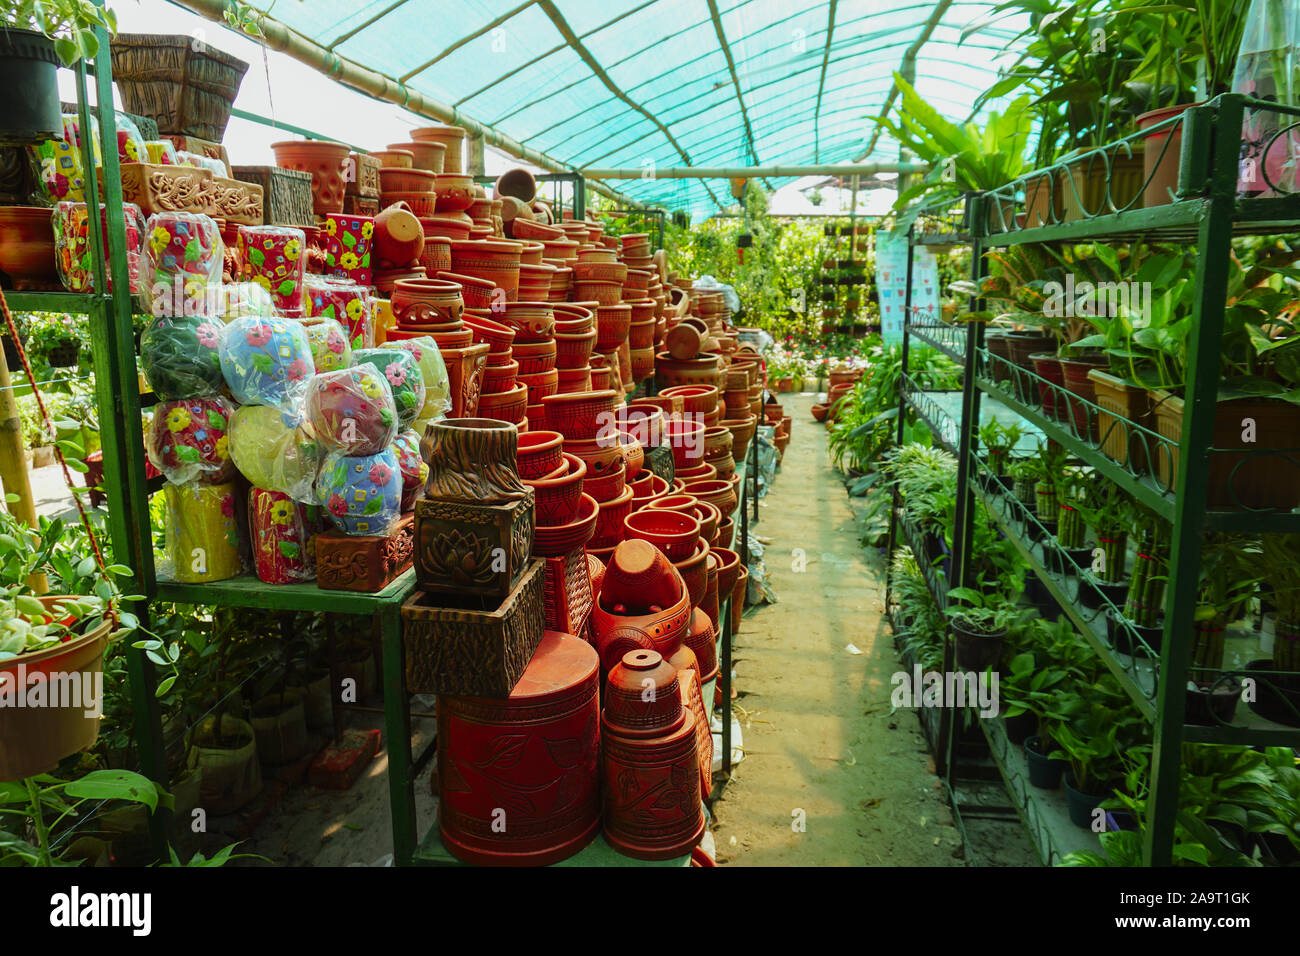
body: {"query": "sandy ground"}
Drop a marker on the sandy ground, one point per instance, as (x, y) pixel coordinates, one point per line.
(830, 776)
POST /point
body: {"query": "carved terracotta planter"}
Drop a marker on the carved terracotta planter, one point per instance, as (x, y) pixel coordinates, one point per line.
(702, 638)
(326, 162)
(479, 647)
(561, 539)
(580, 416)
(496, 262)
(473, 460)
(469, 548)
(465, 368)
(702, 370)
(364, 562)
(427, 302)
(566, 593)
(643, 696)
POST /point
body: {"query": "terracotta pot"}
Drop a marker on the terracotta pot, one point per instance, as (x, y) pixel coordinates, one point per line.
(718, 492)
(642, 696)
(555, 701)
(695, 572)
(398, 237)
(394, 158)
(642, 598)
(580, 415)
(601, 457)
(1074, 373)
(609, 525)
(452, 139)
(609, 484)
(425, 302)
(669, 372)
(27, 247)
(476, 292)
(702, 472)
(498, 336)
(558, 497)
(437, 255)
(472, 459)
(325, 161)
(499, 378)
(452, 226)
(633, 455)
(420, 203)
(539, 454)
(738, 600)
(455, 191)
(702, 639)
(508, 406)
(1048, 367)
(518, 183)
(465, 365)
(560, 540)
(541, 384)
(430, 157)
(728, 570)
(534, 358)
(532, 321)
(394, 179)
(675, 533)
(1161, 152)
(612, 325)
(686, 438)
(494, 261)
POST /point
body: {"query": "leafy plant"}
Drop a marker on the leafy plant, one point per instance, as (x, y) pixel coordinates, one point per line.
(998, 441)
(981, 612)
(70, 24)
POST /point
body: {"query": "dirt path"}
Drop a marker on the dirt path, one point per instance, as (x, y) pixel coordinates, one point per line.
(818, 732)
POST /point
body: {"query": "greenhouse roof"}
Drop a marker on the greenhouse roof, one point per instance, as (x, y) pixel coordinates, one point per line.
(666, 83)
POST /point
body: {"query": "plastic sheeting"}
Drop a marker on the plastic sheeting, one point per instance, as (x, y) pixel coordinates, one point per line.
(765, 83)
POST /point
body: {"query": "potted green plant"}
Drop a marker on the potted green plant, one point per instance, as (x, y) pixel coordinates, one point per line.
(1108, 510)
(38, 36)
(1095, 743)
(979, 623)
(999, 440)
(1229, 566)
(1145, 599)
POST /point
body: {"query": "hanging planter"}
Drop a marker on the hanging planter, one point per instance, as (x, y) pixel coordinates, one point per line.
(29, 71)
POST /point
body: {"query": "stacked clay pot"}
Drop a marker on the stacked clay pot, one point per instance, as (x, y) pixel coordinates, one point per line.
(503, 396)
(587, 421)
(436, 308)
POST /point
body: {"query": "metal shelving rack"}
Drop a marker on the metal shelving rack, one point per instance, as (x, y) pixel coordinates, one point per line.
(1206, 212)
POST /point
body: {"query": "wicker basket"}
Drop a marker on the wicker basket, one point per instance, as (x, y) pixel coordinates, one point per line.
(186, 86)
(286, 193)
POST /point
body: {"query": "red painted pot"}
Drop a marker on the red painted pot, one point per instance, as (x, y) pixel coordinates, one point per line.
(533, 756)
(1048, 366)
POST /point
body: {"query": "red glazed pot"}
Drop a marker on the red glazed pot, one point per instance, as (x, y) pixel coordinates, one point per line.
(548, 730)
(631, 711)
(553, 542)
(675, 533)
(702, 638)
(582, 416)
(539, 454)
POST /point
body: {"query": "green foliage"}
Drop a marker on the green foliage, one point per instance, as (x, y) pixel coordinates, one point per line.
(70, 23)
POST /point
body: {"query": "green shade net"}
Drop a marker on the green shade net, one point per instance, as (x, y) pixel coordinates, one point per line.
(673, 100)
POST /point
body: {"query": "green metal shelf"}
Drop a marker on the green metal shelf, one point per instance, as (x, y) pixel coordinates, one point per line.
(247, 591)
(1043, 812)
(942, 337)
(71, 302)
(432, 852)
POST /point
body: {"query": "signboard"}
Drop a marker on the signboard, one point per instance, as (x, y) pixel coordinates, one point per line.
(891, 284)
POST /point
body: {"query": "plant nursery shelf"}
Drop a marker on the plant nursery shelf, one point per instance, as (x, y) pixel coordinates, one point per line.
(598, 852)
(70, 302)
(1142, 487)
(247, 591)
(948, 339)
(926, 404)
(1043, 812)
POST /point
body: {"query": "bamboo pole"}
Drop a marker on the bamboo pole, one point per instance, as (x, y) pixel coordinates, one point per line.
(14, 476)
(755, 172)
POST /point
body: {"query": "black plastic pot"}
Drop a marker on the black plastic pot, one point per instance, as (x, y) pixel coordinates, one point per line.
(1078, 558)
(977, 651)
(1038, 595)
(1122, 640)
(1044, 772)
(1020, 728)
(1081, 805)
(1277, 698)
(65, 354)
(1212, 705)
(30, 111)
(1095, 594)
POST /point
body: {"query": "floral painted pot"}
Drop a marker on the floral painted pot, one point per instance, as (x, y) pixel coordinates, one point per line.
(330, 349)
(180, 356)
(405, 380)
(345, 302)
(275, 450)
(352, 410)
(71, 225)
(183, 255)
(202, 532)
(282, 533)
(347, 251)
(187, 440)
(414, 470)
(437, 382)
(275, 257)
(266, 361)
(361, 493)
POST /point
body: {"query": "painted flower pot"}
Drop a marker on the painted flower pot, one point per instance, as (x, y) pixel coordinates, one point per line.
(343, 301)
(71, 228)
(266, 361)
(275, 257)
(414, 470)
(361, 493)
(347, 252)
(180, 357)
(352, 410)
(275, 450)
(281, 532)
(183, 255)
(202, 532)
(187, 440)
(405, 380)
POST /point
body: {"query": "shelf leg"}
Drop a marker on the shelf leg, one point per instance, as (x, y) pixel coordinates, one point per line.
(397, 728)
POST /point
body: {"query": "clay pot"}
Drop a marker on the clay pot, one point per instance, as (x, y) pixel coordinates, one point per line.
(573, 380)
(541, 384)
(555, 700)
(398, 237)
(742, 433)
(686, 437)
(507, 406)
(670, 372)
(633, 454)
(518, 183)
(573, 317)
(451, 226)
(499, 377)
(728, 570)
(325, 161)
(675, 533)
(580, 415)
(701, 472)
(430, 157)
(437, 255)
(683, 342)
(738, 599)
(532, 321)
(717, 492)
(609, 525)
(540, 454)
(420, 203)
(537, 231)
(476, 292)
(27, 247)
(393, 179)
(702, 638)
(695, 572)
(642, 696)
(552, 542)
(644, 422)
(394, 158)
(558, 497)
(534, 358)
(472, 459)
(638, 580)
(602, 457)
(494, 261)
(452, 139)
(609, 484)
(427, 302)
(499, 337)
(612, 325)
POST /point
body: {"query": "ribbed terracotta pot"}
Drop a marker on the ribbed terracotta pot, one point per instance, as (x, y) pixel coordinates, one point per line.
(492, 261)
(453, 140)
(325, 161)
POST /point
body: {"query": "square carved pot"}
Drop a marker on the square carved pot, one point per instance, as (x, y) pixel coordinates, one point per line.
(286, 194)
(460, 647)
(566, 592)
(364, 562)
(366, 181)
(360, 206)
(469, 549)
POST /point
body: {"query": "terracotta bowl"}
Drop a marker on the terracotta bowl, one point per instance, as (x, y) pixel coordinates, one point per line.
(553, 542)
(645, 422)
(534, 357)
(819, 411)
(452, 226)
(728, 570)
(609, 526)
(579, 317)
(580, 415)
(455, 192)
(631, 712)
(534, 230)
(558, 498)
(573, 349)
(701, 472)
(675, 533)
(696, 399)
(500, 378)
(539, 454)
(727, 534)
(647, 488)
(394, 179)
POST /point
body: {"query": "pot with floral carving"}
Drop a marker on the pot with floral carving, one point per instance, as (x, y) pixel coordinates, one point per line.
(533, 755)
